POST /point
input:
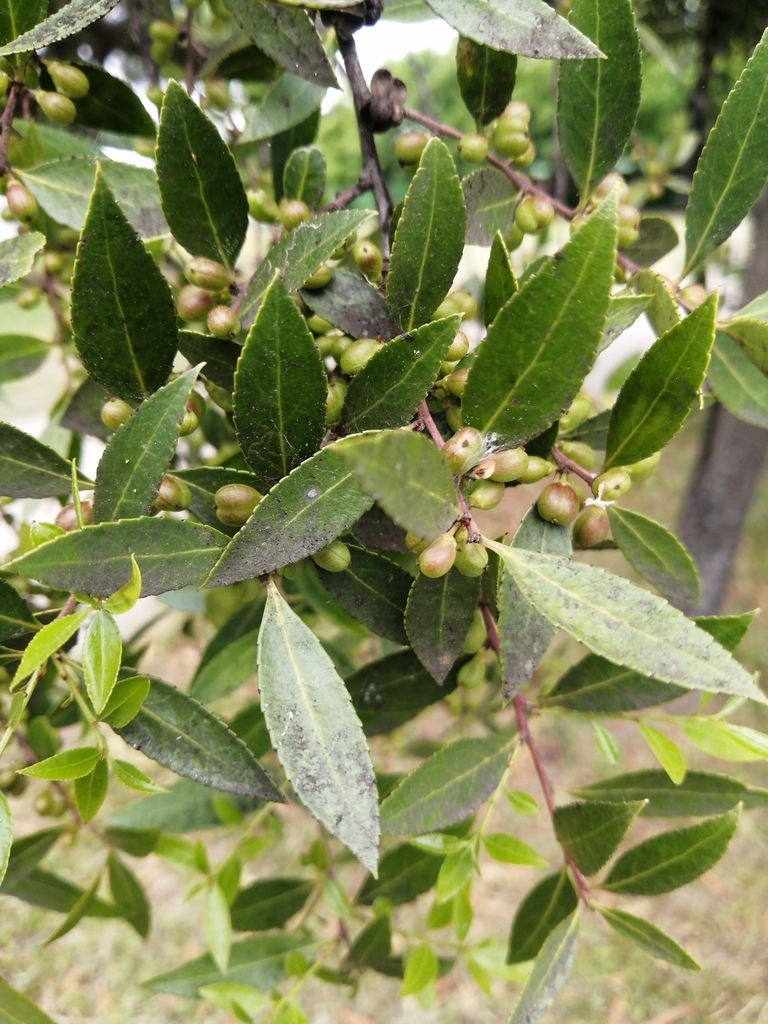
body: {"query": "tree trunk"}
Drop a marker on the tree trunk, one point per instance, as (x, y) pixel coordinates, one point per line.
(728, 466)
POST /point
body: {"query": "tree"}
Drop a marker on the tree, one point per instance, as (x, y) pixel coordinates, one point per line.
(332, 441)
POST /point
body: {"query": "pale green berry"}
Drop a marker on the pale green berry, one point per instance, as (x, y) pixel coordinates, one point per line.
(579, 452)
(223, 323)
(579, 409)
(325, 344)
(262, 207)
(536, 470)
(334, 402)
(234, 503)
(409, 146)
(472, 674)
(319, 279)
(448, 307)
(466, 302)
(69, 80)
(475, 638)
(293, 212)
(115, 412)
(509, 465)
(612, 484)
(173, 495)
(453, 416)
(438, 557)
(645, 467)
(471, 559)
(368, 258)
(533, 213)
(57, 108)
(209, 274)
(415, 543)
(189, 423)
(456, 382)
(358, 355)
(486, 494)
(317, 325)
(336, 557)
(459, 346)
(473, 148)
(558, 503)
(463, 450)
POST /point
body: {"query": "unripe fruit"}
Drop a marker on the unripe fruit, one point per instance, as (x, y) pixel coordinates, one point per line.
(293, 212)
(52, 262)
(223, 323)
(219, 395)
(591, 528)
(447, 366)
(578, 452)
(189, 423)
(558, 503)
(645, 468)
(415, 543)
(333, 558)
(358, 355)
(627, 236)
(115, 412)
(194, 303)
(510, 138)
(5, 81)
(463, 450)
(437, 558)
(520, 110)
(614, 483)
(536, 470)
(319, 279)
(466, 302)
(693, 295)
(262, 207)
(514, 238)
(459, 346)
(472, 675)
(453, 416)
(367, 256)
(155, 95)
(527, 157)
(533, 213)
(69, 80)
(486, 494)
(334, 402)
(56, 107)
(509, 465)
(446, 308)
(21, 202)
(196, 404)
(607, 185)
(295, 570)
(217, 93)
(163, 32)
(9, 777)
(67, 517)
(341, 343)
(325, 344)
(28, 298)
(300, 304)
(173, 495)
(577, 412)
(471, 559)
(234, 503)
(456, 382)
(475, 638)
(208, 274)
(473, 148)
(43, 803)
(409, 146)
(317, 325)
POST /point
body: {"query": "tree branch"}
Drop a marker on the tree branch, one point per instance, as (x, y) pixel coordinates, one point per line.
(563, 462)
(6, 122)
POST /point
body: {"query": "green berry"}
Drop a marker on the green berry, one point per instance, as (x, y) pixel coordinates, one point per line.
(486, 494)
(409, 146)
(52, 262)
(334, 402)
(536, 470)
(471, 559)
(533, 213)
(56, 107)
(163, 32)
(5, 81)
(693, 295)
(527, 157)
(319, 279)
(9, 780)
(466, 302)
(463, 450)
(579, 409)
(28, 298)
(333, 558)
(415, 544)
(448, 366)
(591, 528)
(115, 412)
(579, 452)
(67, 517)
(234, 503)
(437, 558)
(223, 323)
(70, 81)
(295, 570)
(155, 95)
(325, 344)
(208, 274)
(519, 110)
(219, 395)
(509, 139)
(173, 495)
(514, 238)
(473, 148)
(293, 212)
(472, 674)
(645, 467)
(43, 803)
(21, 202)
(509, 465)
(459, 347)
(558, 503)
(607, 185)
(341, 342)
(317, 325)
(456, 382)
(217, 93)
(358, 355)
(475, 638)
(262, 207)
(368, 258)
(194, 303)
(446, 308)
(453, 416)
(189, 423)
(614, 484)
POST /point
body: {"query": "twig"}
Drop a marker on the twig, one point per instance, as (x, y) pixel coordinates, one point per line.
(563, 462)
(6, 121)
(343, 199)
(473, 534)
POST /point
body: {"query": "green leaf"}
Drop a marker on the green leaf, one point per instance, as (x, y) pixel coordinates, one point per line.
(18, 16)
(69, 764)
(389, 389)
(455, 872)
(724, 740)
(523, 803)
(662, 310)
(203, 199)
(304, 175)
(315, 730)
(375, 591)
(90, 791)
(218, 927)
(486, 79)
(351, 304)
(178, 732)
(134, 778)
(500, 282)
(280, 390)
(660, 392)
(732, 168)
(256, 961)
(6, 835)
(625, 624)
(623, 311)
(752, 337)
(529, 27)
(15, 617)
(666, 752)
(269, 903)
(650, 938)
(17, 256)
(228, 671)
(391, 691)
(110, 104)
(65, 22)
(524, 634)
(78, 911)
(126, 597)
(672, 859)
(541, 345)
(490, 198)
(551, 901)
(20, 356)
(429, 239)
(656, 554)
(303, 513)
(591, 832)
(606, 743)
(25, 854)
(29, 468)
(97, 560)
(286, 103)
(594, 685)
(283, 144)
(63, 189)
(408, 477)
(737, 383)
(244, 623)
(598, 100)
(128, 895)
(656, 238)
(287, 35)
(438, 617)
(447, 787)
(420, 970)
(405, 872)
(123, 316)
(511, 850)
(550, 971)
(299, 254)
(125, 700)
(15, 1008)
(699, 794)
(372, 945)
(186, 807)
(102, 653)
(203, 482)
(46, 642)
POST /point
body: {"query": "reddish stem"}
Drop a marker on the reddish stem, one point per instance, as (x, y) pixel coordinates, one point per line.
(473, 534)
(563, 462)
(426, 418)
(6, 122)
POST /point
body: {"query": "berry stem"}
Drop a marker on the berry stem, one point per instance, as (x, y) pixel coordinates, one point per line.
(563, 462)
(342, 199)
(6, 122)
(426, 418)
(473, 534)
